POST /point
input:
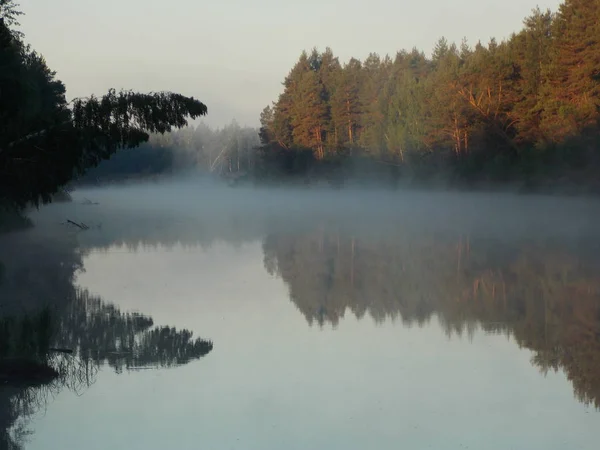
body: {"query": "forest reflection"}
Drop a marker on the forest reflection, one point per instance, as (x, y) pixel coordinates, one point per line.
(530, 274)
(100, 332)
(512, 267)
(544, 294)
(542, 287)
(75, 334)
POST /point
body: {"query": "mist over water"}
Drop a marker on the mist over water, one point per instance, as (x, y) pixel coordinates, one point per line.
(506, 215)
(351, 318)
(326, 280)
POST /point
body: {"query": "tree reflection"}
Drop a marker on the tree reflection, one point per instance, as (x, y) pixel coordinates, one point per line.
(482, 271)
(102, 333)
(74, 335)
(97, 333)
(544, 293)
(488, 268)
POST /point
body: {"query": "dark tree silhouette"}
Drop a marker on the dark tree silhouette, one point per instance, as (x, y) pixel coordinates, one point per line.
(45, 142)
(55, 337)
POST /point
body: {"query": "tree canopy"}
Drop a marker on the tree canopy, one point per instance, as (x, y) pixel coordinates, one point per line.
(528, 104)
(46, 141)
(10, 13)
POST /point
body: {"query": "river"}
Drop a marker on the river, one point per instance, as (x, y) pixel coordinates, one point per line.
(224, 318)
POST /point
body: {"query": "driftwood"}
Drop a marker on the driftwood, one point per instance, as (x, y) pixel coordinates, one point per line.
(81, 225)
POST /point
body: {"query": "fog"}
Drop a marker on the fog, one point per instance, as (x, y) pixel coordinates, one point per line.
(418, 227)
(191, 207)
(200, 212)
(365, 302)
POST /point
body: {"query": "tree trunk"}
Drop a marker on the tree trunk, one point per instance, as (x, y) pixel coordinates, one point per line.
(456, 136)
(350, 139)
(318, 137)
(352, 265)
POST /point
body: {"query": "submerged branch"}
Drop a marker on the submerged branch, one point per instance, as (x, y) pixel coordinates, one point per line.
(81, 225)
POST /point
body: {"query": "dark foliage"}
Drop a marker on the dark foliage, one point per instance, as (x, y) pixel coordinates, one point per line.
(46, 142)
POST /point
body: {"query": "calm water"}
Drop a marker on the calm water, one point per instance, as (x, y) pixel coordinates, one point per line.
(339, 320)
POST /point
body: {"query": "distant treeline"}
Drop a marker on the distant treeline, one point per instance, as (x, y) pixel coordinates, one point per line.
(228, 150)
(526, 109)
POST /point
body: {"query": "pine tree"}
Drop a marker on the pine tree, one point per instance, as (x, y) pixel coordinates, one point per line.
(403, 118)
(346, 106)
(487, 86)
(375, 73)
(266, 133)
(9, 15)
(329, 74)
(449, 122)
(44, 142)
(281, 129)
(310, 114)
(530, 53)
(572, 94)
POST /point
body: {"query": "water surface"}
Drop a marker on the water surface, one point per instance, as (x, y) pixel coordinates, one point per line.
(339, 320)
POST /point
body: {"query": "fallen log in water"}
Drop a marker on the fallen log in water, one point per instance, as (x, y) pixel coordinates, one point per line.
(81, 225)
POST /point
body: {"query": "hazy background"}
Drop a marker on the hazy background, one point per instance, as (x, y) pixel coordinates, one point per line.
(234, 54)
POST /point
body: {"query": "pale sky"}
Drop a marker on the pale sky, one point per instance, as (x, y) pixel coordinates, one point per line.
(234, 54)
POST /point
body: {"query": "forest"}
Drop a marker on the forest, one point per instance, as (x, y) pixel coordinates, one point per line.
(45, 141)
(523, 110)
(201, 150)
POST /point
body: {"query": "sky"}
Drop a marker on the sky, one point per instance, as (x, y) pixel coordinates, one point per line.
(234, 54)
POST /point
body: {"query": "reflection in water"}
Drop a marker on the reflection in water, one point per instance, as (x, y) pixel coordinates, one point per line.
(76, 333)
(510, 266)
(100, 332)
(542, 294)
(20, 401)
(97, 333)
(485, 269)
